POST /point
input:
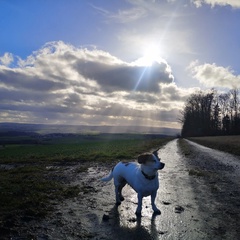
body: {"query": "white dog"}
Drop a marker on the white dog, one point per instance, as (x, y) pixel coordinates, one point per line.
(142, 177)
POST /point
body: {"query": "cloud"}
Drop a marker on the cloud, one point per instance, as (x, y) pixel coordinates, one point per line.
(128, 15)
(125, 77)
(28, 80)
(6, 59)
(63, 84)
(211, 75)
(213, 3)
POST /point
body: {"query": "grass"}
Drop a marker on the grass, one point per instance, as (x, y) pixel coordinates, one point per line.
(26, 191)
(230, 144)
(79, 149)
(187, 151)
(185, 147)
(29, 187)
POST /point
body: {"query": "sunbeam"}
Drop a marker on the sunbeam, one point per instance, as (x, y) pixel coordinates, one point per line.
(140, 79)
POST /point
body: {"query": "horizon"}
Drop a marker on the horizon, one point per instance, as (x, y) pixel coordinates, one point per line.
(57, 124)
(79, 129)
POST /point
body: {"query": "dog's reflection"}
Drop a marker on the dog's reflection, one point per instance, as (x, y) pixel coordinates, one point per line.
(125, 227)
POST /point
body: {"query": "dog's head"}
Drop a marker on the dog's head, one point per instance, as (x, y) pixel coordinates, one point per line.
(152, 160)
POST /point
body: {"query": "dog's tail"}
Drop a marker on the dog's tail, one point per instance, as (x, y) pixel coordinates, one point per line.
(109, 177)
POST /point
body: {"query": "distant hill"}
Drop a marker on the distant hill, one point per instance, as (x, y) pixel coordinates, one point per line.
(78, 129)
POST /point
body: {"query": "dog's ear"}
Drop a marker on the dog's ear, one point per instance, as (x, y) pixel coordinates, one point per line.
(143, 158)
(156, 152)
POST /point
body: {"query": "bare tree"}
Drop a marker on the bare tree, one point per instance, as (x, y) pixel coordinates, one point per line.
(196, 116)
(224, 103)
(234, 104)
(211, 114)
(234, 100)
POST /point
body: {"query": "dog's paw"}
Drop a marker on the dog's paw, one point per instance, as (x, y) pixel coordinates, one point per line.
(122, 198)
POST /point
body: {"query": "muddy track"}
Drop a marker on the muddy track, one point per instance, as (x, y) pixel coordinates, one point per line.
(199, 198)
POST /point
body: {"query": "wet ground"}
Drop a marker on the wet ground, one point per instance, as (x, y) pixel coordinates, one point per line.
(199, 198)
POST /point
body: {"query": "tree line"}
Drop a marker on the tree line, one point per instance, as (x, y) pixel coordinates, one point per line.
(211, 113)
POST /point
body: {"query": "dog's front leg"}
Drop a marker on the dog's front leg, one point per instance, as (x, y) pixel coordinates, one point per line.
(154, 207)
(139, 207)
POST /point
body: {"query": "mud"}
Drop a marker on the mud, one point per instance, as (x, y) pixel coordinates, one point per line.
(199, 198)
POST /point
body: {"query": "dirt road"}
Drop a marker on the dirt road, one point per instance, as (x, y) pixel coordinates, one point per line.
(199, 198)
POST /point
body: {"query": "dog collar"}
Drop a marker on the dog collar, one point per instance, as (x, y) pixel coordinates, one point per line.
(147, 176)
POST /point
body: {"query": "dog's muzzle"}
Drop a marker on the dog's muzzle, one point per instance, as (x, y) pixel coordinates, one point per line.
(161, 165)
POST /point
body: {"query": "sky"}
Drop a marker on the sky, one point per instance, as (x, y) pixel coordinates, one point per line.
(114, 62)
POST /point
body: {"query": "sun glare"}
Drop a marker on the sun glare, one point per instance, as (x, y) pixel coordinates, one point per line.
(151, 54)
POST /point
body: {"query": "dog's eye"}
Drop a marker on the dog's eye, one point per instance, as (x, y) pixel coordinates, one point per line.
(151, 160)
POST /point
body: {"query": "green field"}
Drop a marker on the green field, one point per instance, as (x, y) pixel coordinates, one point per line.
(80, 148)
(28, 182)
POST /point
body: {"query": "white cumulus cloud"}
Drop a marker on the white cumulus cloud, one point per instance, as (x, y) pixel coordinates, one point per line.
(6, 59)
(63, 84)
(212, 75)
(213, 3)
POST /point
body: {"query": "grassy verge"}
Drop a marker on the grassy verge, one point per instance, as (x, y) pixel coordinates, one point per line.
(230, 144)
(29, 187)
(28, 192)
(189, 152)
(216, 191)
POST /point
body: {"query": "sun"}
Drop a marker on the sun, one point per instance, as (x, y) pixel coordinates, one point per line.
(151, 53)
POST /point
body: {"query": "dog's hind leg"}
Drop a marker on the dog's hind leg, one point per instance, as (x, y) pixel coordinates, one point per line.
(118, 201)
(119, 184)
(123, 183)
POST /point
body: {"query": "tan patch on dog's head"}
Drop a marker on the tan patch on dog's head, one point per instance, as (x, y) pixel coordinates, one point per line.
(142, 159)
